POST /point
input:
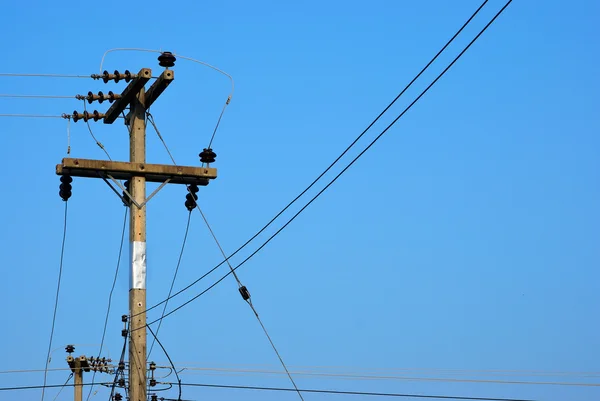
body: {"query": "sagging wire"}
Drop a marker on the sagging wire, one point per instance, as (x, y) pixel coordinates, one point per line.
(187, 228)
(169, 358)
(60, 270)
(246, 296)
(100, 145)
(335, 161)
(110, 295)
(227, 101)
(63, 386)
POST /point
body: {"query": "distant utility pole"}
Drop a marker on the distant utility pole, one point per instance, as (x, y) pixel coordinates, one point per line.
(83, 364)
(137, 173)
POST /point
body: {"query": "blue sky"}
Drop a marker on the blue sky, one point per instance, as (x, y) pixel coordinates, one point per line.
(465, 239)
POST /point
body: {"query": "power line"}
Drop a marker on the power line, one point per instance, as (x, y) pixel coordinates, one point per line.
(169, 358)
(60, 269)
(65, 116)
(100, 145)
(342, 392)
(338, 158)
(36, 96)
(338, 175)
(112, 288)
(62, 388)
(350, 376)
(187, 228)
(246, 296)
(8, 74)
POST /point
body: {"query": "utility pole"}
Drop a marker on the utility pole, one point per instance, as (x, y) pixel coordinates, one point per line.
(137, 173)
(84, 364)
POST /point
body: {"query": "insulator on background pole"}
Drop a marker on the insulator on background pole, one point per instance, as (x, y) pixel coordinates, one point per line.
(65, 190)
(70, 348)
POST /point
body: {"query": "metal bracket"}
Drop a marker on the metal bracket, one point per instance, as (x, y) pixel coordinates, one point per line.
(118, 183)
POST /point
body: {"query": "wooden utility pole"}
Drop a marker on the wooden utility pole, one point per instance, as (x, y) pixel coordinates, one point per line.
(77, 365)
(137, 172)
(137, 236)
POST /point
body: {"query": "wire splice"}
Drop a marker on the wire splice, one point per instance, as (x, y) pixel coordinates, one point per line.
(65, 194)
(244, 292)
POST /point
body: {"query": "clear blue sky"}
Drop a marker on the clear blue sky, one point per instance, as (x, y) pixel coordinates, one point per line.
(466, 239)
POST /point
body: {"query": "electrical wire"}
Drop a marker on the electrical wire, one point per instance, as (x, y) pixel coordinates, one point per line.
(335, 178)
(64, 385)
(8, 74)
(187, 228)
(228, 97)
(100, 145)
(34, 115)
(112, 288)
(337, 159)
(118, 370)
(351, 376)
(150, 118)
(169, 358)
(60, 270)
(36, 96)
(248, 300)
(342, 392)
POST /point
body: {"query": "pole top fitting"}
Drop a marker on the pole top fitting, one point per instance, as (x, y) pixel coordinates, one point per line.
(166, 59)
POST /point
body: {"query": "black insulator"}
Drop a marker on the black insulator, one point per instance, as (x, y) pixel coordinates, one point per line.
(70, 348)
(190, 205)
(118, 397)
(100, 97)
(244, 292)
(191, 197)
(127, 75)
(124, 332)
(193, 188)
(86, 116)
(105, 76)
(126, 198)
(97, 115)
(121, 365)
(76, 116)
(124, 318)
(153, 397)
(152, 382)
(207, 156)
(65, 187)
(90, 97)
(152, 366)
(111, 95)
(121, 382)
(166, 59)
(117, 76)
